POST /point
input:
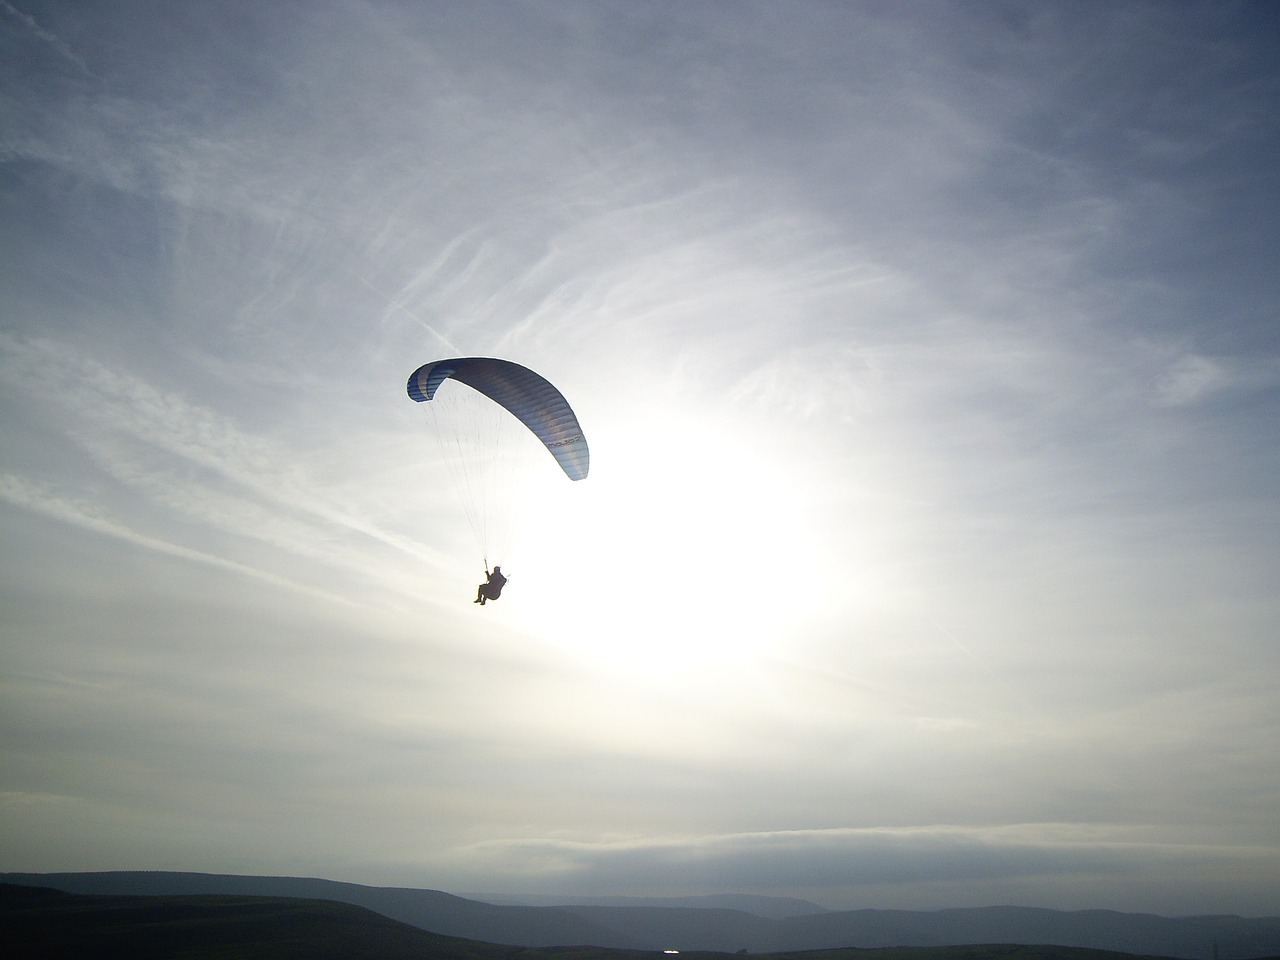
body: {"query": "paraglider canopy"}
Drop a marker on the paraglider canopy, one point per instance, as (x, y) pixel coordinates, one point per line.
(526, 395)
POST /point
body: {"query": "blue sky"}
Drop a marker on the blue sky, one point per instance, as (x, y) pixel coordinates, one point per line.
(929, 358)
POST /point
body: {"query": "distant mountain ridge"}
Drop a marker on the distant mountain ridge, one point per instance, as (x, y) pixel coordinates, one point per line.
(717, 929)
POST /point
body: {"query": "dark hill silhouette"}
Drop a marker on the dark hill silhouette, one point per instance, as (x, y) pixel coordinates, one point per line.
(725, 931)
(428, 909)
(1189, 937)
(45, 924)
(52, 925)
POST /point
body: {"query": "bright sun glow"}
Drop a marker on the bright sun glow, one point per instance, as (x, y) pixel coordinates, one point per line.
(676, 557)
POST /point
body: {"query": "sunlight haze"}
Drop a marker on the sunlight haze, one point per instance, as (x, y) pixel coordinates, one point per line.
(927, 353)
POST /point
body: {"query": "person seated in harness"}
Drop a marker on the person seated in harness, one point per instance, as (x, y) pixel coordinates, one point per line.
(491, 589)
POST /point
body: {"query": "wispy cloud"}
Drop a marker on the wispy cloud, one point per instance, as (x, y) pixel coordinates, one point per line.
(186, 458)
(61, 47)
(22, 493)
(1193, 378)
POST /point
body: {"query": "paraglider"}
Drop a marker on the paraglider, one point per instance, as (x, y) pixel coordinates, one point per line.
(478, 437)
(491, 589)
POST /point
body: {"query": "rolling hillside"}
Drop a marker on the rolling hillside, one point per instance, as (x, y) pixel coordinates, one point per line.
(720, 930)
(52, 925)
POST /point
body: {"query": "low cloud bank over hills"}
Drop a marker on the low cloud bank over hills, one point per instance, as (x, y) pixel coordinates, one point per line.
(642, 925)
(775, 908)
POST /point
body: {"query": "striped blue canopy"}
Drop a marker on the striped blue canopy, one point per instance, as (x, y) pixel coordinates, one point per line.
(527, 396)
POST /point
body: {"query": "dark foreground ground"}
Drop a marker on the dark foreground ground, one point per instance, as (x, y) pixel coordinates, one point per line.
(51, 925)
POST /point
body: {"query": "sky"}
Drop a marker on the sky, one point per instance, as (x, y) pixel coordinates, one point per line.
(929, 359)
